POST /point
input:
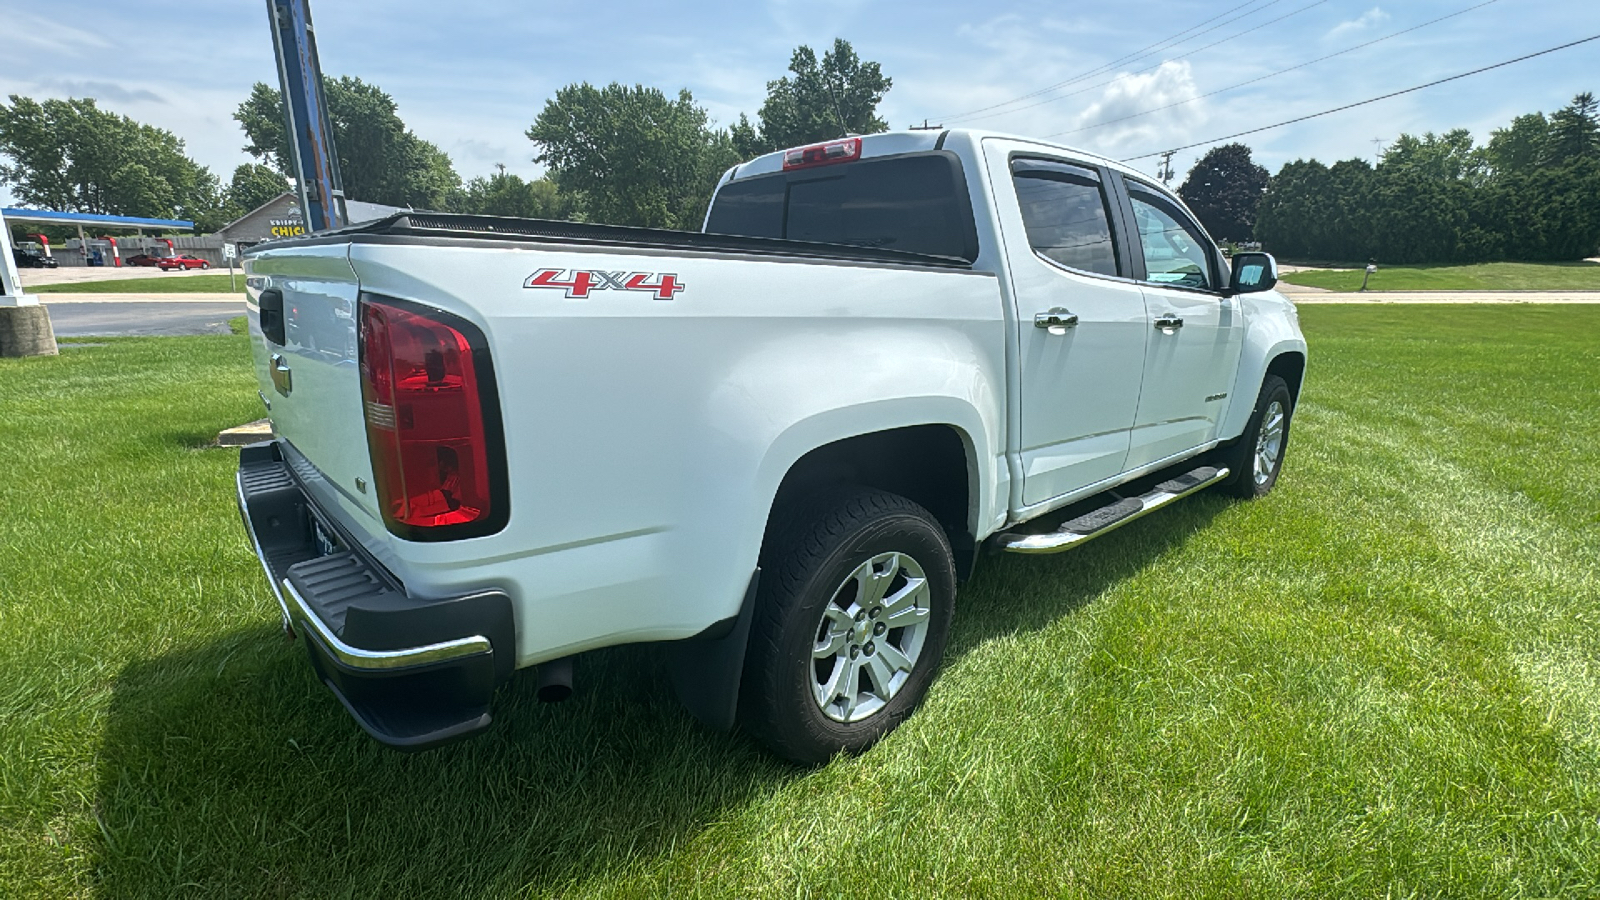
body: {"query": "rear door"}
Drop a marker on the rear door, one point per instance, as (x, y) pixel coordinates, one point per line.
(1194, 331)
(1081, 319)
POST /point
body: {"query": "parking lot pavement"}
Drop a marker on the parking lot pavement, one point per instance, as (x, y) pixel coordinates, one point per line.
(134, 314)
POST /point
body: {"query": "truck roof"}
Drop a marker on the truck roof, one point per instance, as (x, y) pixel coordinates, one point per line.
(890, 143)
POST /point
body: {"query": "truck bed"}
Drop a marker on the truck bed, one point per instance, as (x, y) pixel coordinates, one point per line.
(415, 227)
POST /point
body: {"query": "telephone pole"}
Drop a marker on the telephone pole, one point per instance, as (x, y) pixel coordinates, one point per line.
(1165, 171)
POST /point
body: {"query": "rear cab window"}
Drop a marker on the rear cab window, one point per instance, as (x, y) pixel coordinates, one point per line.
(1067, 215)
(916, 203)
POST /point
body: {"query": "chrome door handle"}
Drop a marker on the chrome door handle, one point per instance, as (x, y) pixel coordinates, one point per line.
(282, 378)
(1169, 323)
(1057, 320)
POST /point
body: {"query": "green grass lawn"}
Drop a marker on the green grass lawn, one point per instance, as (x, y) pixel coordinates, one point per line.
(157, 284)
(1505, 276)
(1382, 680)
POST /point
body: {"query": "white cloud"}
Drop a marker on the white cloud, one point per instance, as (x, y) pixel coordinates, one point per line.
(1169, 83)
(1372, 17)
(102, 91)
(51, 35)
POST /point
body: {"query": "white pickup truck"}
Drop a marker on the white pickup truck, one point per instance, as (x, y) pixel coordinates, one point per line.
(773, 447)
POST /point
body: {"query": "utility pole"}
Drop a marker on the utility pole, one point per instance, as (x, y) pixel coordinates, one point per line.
(1165, 172)
(305, 115)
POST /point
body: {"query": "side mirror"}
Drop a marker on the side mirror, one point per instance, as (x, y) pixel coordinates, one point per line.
(1253, 273)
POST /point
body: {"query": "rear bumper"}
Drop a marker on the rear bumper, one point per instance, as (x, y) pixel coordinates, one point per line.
(414, 673)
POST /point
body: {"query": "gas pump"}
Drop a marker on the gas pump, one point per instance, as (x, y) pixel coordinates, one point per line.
(44, 244)
(116, 257)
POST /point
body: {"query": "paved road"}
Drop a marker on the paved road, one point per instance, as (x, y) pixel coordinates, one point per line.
(142, 317)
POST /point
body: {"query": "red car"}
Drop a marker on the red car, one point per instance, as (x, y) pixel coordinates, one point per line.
(182, 262)
(143, 259)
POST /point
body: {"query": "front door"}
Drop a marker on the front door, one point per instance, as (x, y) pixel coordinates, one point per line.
(1081, 320)
(1194, 332)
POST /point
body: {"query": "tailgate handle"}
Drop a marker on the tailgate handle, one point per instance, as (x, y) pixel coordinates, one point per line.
(271, 304)
(282, 378)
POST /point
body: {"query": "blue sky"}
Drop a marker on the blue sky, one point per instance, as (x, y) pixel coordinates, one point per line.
(471, 76)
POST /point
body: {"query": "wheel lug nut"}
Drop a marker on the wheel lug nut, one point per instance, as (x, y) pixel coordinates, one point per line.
(855, 652)
(879, 628)
(861, 617)
(869, 648)
(877, 611)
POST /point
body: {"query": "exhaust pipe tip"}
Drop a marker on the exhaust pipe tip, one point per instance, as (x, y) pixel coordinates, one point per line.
(555, 680)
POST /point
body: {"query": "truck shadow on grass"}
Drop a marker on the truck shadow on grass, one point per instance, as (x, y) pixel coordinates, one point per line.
(227, 770)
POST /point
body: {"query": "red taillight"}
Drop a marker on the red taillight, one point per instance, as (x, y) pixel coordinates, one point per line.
(827, 154)
(424, 393)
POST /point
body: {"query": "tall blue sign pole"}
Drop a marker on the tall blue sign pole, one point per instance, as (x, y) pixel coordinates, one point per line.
(305, 115)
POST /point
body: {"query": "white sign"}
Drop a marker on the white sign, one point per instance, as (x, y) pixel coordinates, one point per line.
(229, 251)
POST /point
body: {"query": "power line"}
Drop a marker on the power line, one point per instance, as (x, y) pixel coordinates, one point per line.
(1271, 74)
(1408, 90)
(1154, 67)
(1098, 69)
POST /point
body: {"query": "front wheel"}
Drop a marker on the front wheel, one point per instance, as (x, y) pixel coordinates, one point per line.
(856, 595)
(1257, 458)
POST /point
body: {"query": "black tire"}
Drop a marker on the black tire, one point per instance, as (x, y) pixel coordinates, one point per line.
(1241, 458)
(205, 265)
(813, 553)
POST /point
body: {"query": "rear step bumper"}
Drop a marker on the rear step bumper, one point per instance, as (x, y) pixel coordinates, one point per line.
(414, 673)
(1109, 518)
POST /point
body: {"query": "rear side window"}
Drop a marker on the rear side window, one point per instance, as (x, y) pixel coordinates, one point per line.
(1068, 219)
(915, 203)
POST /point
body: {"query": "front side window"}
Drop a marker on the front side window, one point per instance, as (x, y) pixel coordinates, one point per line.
(1066, 215)
(1174, 249)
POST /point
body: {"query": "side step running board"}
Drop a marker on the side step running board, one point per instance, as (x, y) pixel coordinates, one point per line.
(1109, 518)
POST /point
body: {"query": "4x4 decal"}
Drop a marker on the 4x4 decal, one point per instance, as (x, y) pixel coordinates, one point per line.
(579, 283)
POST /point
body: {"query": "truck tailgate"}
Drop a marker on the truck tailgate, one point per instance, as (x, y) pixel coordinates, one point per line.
(310, 378)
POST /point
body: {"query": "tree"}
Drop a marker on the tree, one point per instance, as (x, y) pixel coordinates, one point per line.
(380, 160)
(631, 156)
(71, 155)
(253, 184)
(817, 102)
(1293, 202)
(1522, 147)
(1343, 223)
(1224, 189)
(1442, 157)
(1575, 131)
(505, 194)
(1528, 194)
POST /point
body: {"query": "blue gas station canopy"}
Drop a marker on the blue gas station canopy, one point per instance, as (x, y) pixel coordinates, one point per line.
(17, 214)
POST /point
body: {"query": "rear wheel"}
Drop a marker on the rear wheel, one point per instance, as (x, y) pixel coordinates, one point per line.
(856, 595)
(1257, 458)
